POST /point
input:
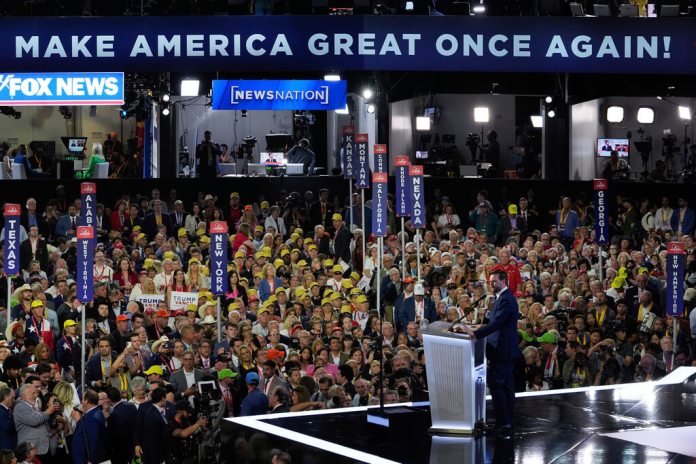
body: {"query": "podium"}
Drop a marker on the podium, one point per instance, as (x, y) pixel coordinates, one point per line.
(456, 370)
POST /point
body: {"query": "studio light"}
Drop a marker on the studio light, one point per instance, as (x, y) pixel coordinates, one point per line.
(551, 114)
(190, 87)
(548, 99)
(423, 123)
(537, 121)
(371, 109)
(408, 6)
(244, 113)
(166, 97)
(481, 114)
(165, 111)
(123, 114)
(332, 77)
(65, 112)
(478, 9)
(646, 115)
(367, 93)
(684, 112)
(615, 114)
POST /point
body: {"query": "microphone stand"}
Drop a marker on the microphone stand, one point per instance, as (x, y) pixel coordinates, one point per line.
(451, 327)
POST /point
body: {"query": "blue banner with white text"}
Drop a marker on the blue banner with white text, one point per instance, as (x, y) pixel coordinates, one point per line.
(676, 256)
(379, 203)
(88, 208)
(74, 89)
(403, 187)
(279, 95)
(360, 42)
(362, 162)
(417, 197)
(218, 257)
(12, 213)
(348, 153)
(601, 219)
(85, 263)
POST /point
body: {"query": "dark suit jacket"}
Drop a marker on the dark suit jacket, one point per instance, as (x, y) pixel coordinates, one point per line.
(25, 254)
(342, 244)
(175, 224)
(178, 380)
(151, 433)
(150, 225)
(8, 432)
(506, 227)
(64, 224)
(40, 221)
(89, 440)
(315, 214)
(631, 295)
(408, 313)
(121, 433)
(501, 330)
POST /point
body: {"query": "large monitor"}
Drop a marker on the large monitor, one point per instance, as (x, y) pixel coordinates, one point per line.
(76, 147)
(273, 158)
(605, 146)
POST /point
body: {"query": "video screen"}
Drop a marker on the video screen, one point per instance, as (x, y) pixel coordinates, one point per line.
(605, 146)
(421, 155)
(273, 158)
(77, 145)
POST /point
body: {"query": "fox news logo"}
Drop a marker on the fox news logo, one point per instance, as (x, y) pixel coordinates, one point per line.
(52, 88)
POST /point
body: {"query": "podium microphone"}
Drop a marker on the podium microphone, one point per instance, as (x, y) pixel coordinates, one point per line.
(463, 316)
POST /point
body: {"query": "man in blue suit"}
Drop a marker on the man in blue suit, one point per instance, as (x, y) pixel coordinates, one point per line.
(121, 433)
(66, 226)
(89, 439)
(416, 309)
(8, 431)
(502, 349)
(151, 427)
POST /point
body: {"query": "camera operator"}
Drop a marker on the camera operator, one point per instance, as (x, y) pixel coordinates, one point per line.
(181, 431)
(205, 153)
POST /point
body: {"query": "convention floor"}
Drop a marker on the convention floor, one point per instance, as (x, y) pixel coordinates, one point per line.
(637, 423)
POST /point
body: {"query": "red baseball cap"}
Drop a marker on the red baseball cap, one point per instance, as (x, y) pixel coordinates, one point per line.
(121, 318)
(162, 313)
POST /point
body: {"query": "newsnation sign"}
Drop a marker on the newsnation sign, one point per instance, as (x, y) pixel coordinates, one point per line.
(306, 43)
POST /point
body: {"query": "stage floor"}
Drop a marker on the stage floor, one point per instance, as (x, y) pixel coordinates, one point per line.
(635, 423)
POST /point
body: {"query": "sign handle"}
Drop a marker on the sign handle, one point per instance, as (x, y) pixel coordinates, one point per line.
(403, 248)
(8, 306)
(83, 351)
(350, 206)
(418, 250)
(219, 321)
(364, 232)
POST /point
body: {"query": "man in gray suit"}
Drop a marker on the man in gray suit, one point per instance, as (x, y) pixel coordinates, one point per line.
(32, 425)
(185, 379)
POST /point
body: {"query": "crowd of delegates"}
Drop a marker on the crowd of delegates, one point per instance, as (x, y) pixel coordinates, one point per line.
(299, 328)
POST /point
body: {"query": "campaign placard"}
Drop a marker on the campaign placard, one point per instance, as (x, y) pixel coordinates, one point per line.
(403, 186)
(362, 163)
(676, 257)
(417, 197)
(85, 263)
(11, 254)
(379, 203)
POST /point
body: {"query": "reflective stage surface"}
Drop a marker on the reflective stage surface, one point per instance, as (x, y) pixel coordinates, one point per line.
(637, 423)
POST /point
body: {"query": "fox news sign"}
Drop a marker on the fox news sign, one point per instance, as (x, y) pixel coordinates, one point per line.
(61, 89)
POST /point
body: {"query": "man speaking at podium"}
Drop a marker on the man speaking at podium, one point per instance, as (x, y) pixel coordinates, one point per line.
(501, 350)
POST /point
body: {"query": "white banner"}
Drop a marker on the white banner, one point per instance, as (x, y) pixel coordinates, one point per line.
(150, 301)
(180, 300)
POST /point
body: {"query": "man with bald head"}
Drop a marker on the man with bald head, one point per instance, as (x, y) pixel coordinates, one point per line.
(32, 425)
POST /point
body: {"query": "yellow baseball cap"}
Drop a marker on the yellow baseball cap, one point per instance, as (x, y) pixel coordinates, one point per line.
(205, 239)
(355, 275)
(168, 254)
(336, 217)
(345, 283)
(346, 309)
(355, 291)
(200, 232)
(194, 261)
(192, 307)
(265, 204)
(239, 254)
(278, 262)
(325, 301)
(69, 323)
(294, 237)
(299, 231)
(328, 262)
(234, 195)
(140, 236)
(137, 228)
(337, 268)
(335, 295)
(181, 232)
(37, 304)
(302, 263)
(278, 290)
(308, 240)
(312, 247)
(232, 306)
(361, 299)
(284, 252)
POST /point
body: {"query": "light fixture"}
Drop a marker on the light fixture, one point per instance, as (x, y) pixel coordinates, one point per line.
(551, 114)
(166, 97)
(371, 108)
(548, 99)
(409, 6)
(244, 113)
(646, 115)
(659, 97)
(615, 114)
(423, 123)
(332, 77)
(684, 112)
(343, 110)
(479, 9)
(165, 111)
(367, 93)
(190, 87)
(481, 114)
(537, 120)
